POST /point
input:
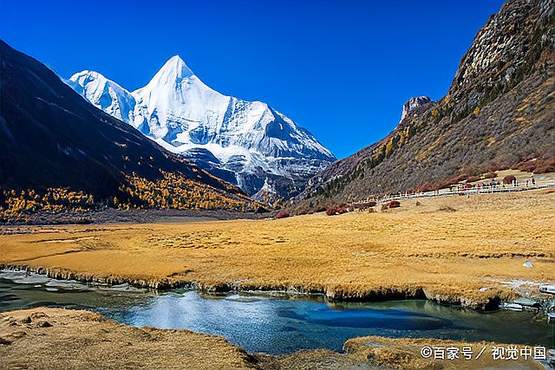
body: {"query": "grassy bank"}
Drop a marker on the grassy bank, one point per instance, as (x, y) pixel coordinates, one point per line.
(449, 249)
(54, 338)
(51, 338)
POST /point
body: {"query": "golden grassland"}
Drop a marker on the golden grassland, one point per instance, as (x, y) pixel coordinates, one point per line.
(405, 353)
(451, 249)
(400, 353)
(55, 338)
(51, 338)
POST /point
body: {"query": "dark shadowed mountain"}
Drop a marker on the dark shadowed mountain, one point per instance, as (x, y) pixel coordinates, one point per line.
(498, 113)
(50, 137)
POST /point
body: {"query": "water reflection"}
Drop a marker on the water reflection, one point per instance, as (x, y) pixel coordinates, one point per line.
(278, 324)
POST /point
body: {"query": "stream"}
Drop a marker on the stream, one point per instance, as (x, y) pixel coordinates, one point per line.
(275, 323)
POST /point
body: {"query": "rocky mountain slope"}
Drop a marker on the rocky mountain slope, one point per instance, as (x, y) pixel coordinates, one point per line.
(498, 113)
(58, 151)
(413, 104)
(247, 143)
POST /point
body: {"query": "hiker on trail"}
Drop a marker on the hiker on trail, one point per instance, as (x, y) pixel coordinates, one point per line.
(533, 181)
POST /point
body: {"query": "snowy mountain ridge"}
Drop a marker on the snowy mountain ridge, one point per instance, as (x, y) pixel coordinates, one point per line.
(245, 142)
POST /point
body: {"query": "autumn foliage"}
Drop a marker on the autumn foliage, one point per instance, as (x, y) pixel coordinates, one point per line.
(13, 203)
(172, 191)
(177, 192)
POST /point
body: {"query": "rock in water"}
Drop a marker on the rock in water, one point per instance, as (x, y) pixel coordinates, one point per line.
(528, 264)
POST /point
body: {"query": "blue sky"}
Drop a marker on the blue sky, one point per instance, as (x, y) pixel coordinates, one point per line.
(341, 69)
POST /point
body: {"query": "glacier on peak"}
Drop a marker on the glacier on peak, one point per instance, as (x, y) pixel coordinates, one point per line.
(104, 94)
(175, 67)
(255, 145)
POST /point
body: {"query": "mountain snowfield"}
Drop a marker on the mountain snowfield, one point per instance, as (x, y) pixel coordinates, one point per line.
(245, 142)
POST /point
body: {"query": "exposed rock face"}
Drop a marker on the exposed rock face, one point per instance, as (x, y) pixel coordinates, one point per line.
(513, 44)
(499, 111)
(413, 104)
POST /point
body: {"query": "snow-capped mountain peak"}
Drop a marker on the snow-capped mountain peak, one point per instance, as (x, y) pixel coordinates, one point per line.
(252, 142)
(174, 102)
(172, 72)
(104, 93)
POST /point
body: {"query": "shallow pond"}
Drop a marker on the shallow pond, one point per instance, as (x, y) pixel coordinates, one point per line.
(276, 323)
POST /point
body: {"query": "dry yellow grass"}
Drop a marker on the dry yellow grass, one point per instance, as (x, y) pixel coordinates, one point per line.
(405, 353)
(449, 254)
(401, 353)
(53, 338)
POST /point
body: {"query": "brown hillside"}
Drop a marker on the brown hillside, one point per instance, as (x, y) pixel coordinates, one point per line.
(499, 113)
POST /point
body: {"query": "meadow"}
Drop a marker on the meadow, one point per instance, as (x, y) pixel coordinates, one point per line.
(470, 251)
